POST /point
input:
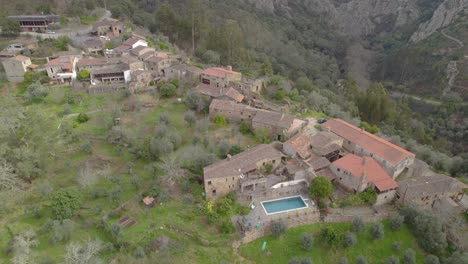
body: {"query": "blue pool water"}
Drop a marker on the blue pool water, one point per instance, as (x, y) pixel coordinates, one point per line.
(277, 206)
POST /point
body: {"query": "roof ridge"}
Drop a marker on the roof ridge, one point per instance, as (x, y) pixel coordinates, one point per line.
(373, 136)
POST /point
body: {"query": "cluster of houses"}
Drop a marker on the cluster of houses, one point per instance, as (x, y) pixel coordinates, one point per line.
(133, 64)
(353, 159)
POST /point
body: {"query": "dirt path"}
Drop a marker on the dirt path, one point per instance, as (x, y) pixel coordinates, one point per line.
(235, 247)
(459, 42)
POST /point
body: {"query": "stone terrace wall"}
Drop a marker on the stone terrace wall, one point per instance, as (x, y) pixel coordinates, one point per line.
(291, 220)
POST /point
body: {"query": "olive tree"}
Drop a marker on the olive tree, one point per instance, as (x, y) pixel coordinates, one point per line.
(278, 228)
(376, 231)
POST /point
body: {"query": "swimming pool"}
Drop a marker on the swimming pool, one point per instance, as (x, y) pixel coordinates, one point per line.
(284, 205)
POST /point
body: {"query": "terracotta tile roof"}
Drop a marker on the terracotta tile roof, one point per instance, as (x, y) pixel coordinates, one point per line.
(301, 144)
(359, 166)
(234, 95)
(418, 187)
(378, 146)
(219, 72)
(62, 62)
(21, 58)
(274, 119)
(243, 162)
(227, 105)
(134, 35)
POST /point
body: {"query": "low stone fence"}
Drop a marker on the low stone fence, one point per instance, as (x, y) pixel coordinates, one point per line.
(337, 216)
(291, 220)
(107, 88)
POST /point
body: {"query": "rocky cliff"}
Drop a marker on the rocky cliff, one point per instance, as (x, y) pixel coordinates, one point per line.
(442, 17)
(354, 18)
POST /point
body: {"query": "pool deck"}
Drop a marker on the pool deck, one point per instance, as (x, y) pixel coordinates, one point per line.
(258, 215)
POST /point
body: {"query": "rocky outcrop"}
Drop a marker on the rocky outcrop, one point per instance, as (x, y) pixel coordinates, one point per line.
(354, 18)
(442, 17)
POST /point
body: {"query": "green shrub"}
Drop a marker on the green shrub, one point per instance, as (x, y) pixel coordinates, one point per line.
(219, 121)
(82, 118)
(227, 227)
(396, 222)
(350, 239)
(83, 74)
(306, 241)
(330, 236)
(358, 225)
(65, 202)
(376, 231)
(168, 90)
(371, 129)
(321, 187)
(278, 228)
(244, 128)
(280, 94)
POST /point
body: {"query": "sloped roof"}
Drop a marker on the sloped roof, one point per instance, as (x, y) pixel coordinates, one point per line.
(65, 62)
(234, 95)
(242, 162)
(417, 187)
(301, 144)
(227, 105)
(219, 72)
(21, 58)
(378, 146)
(122, 48)
(317, 162)
(209, 90)
(359, 166)
(86, 62)
(274, 118)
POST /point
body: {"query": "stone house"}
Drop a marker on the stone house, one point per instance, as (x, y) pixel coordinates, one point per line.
(220, 77)
(16, 67)
(425, 190)
(62, 69)
(355, 174)
(183, 72)
(231, 111)
(232, 94)
(93, 46)
(391, 157)
(142, 77)
(239, 171)
(113, 73)
(249, 85)
(158, 64)
(23, 43)
(281, 126)
(132, 62)
(32, 23)
(94, 63)
(108, 27)
(299, 146)
(326, 144)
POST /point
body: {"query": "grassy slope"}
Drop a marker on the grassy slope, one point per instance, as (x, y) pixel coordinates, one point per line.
(183, 222)
(375, 251)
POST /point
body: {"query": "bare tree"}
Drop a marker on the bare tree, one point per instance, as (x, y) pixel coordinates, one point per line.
(170, 165)
(22, 244)
(8, 178)
(86, 253)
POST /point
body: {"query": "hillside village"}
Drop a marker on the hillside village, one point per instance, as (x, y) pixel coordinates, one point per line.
(272, 178)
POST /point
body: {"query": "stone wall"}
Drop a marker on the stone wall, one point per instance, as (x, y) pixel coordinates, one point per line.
(107, 88)
(291, 220)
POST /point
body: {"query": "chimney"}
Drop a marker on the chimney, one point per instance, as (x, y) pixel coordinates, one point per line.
(229, 157)
(229, 67)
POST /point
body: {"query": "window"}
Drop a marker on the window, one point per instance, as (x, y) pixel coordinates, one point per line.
(209, 182)
(214, 192)
(349, 142)
(338, 169)
(274, 161)
(372, 154)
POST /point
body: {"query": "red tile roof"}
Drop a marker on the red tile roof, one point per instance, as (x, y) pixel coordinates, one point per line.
(62, 62)
(367, 166)
(376, 145)
(21, 58)
(219, 72)
(301, 144)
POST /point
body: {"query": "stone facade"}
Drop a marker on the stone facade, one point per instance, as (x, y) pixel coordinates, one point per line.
(182, 72)
(220, 77)
(16, 67)
(231, 111)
